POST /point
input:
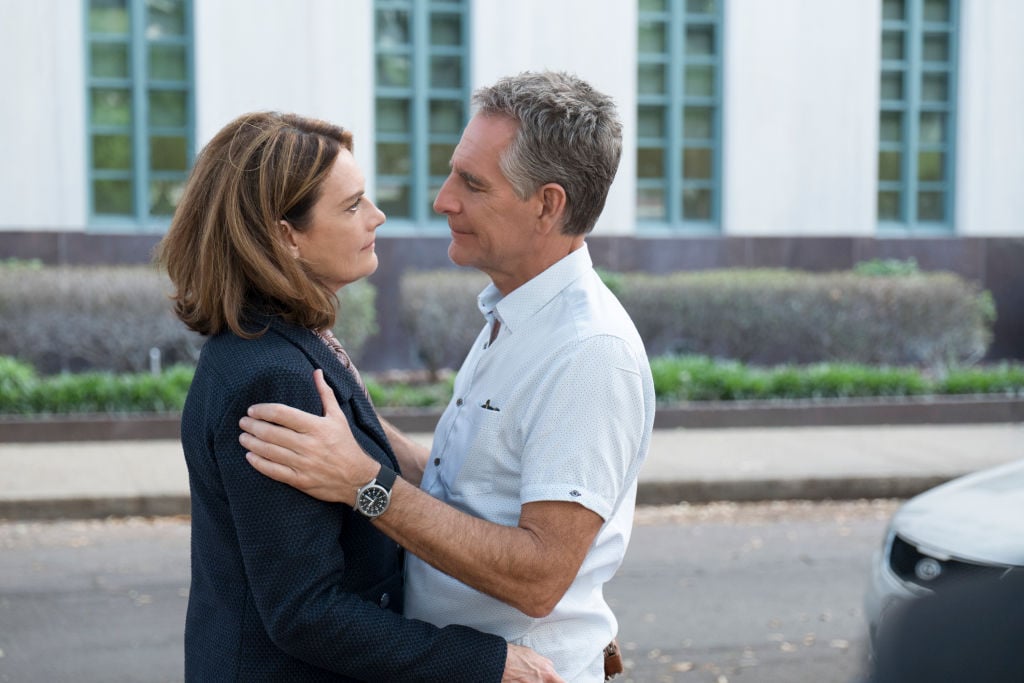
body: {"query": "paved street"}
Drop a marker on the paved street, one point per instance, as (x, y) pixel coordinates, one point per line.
(765, 593)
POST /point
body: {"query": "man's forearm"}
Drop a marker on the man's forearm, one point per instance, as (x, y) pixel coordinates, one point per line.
(412, 456)
(528, 567)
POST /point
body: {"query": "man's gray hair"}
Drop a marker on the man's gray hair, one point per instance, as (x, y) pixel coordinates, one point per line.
(569, 133)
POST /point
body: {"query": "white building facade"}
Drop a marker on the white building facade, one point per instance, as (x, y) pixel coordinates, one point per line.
(794, 84)
(876, 128)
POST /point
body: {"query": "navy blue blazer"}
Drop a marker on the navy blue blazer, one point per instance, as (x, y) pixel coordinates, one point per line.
(286, 587)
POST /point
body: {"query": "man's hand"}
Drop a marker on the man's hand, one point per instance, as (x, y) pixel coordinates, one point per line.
(523, 665)
(317, 455)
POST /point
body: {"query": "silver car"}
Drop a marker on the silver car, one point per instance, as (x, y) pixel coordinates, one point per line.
(971, 527)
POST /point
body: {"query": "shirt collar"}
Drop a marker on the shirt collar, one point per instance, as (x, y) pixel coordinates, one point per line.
(523, 302)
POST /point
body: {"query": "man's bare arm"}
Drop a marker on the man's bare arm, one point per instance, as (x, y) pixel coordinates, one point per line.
(529, 566)
(412, 456)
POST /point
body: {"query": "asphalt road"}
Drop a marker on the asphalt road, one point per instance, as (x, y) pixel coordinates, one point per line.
(723, 592)
(766, 593)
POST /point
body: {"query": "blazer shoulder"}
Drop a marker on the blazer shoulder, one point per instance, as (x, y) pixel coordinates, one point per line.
(245, 359)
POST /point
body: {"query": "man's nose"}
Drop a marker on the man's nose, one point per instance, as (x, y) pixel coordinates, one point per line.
(443, 203)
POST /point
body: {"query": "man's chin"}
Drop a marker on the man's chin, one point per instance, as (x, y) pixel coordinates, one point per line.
(457, 255)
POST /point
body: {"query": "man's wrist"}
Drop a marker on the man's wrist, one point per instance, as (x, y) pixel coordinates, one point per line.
(374, 497)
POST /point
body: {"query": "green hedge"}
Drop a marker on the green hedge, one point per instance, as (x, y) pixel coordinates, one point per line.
(676, 378)
(694, 378)
(23, 392)
(108, 318)
(884, 312)
(438, 309)
(933, 320)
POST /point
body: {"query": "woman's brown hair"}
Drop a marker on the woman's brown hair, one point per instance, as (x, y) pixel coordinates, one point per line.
(224, 250)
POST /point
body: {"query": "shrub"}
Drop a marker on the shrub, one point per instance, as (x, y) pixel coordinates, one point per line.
(71, 318)
(1002, 379)
(17, 379)
(777, 316)
(439, 310)
(108, 318)
(676, 378)
(887, 267)
(23, 392)
(428, 395)
(887, 314)
(698, 378)
(357, 316)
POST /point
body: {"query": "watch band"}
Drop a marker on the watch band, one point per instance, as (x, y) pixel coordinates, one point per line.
(386, 477)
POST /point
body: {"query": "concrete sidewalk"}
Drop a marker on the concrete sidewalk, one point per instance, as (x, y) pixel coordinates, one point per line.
(148, 477)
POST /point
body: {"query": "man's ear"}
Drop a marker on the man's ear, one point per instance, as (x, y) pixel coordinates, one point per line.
(288, 237)
(551, 209)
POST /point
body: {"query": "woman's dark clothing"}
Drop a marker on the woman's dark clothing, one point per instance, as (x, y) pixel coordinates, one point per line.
(286, 587)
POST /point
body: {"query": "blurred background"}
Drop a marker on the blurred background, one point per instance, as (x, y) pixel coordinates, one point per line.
(811, 135)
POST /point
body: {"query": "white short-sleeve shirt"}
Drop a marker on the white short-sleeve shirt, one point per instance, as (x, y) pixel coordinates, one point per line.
(559, 407)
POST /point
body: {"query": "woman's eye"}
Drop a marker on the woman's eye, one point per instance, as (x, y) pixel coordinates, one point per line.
(355, 207)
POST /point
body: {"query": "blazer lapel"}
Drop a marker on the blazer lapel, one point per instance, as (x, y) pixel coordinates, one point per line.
(340, 379)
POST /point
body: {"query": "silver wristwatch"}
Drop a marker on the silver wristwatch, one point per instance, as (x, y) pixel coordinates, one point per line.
(373, 499)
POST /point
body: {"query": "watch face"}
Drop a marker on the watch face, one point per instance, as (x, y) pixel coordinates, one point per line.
(373, 500)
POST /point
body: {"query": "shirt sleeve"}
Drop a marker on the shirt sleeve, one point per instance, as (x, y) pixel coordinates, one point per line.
(587, 425)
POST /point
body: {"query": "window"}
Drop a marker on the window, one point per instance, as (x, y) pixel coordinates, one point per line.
(679, 84)
(140, 110)
(917, 114)
(422, 101)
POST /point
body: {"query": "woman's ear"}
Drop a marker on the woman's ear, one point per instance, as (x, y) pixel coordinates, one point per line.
(289, 237)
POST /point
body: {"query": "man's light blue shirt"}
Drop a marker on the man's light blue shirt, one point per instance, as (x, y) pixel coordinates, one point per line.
(559, 407)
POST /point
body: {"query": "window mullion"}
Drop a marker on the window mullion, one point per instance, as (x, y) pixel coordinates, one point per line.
(140, 147)
(913, 84)
(675, 111)
(421, 109)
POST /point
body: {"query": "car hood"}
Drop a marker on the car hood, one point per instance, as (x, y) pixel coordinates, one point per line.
(978, 517)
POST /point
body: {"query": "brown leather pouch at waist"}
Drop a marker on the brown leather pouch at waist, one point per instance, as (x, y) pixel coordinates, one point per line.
(612, 660)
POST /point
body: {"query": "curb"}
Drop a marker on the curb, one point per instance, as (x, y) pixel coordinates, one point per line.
(648, 493)
(694, 415)
(763, 490)
(48, 509)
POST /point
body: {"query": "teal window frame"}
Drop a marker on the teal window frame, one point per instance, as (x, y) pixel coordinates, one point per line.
(680, 158)
(414, 146)
(916, 160)
(169, 129)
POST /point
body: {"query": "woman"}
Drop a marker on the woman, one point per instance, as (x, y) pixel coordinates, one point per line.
(273, 221)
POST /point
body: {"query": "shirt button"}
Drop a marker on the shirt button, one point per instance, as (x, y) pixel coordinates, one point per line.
(458, 401)
(384, 601)
(437, 462)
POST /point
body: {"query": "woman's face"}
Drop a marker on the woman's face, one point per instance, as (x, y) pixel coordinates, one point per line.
(338, 245)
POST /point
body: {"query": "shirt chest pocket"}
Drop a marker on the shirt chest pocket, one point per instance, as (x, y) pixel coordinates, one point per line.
(490, 461)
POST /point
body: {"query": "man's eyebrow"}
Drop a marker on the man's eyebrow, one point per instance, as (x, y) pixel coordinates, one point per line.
(472, 179)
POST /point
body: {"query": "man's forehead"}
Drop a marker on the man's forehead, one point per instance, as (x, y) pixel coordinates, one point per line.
(482, 143)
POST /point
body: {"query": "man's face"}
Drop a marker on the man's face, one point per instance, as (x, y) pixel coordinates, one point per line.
(492, 229)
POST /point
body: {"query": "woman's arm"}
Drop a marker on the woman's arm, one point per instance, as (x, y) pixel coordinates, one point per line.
(296, 568)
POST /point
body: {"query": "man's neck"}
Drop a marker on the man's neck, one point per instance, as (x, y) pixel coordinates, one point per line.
(506, 284)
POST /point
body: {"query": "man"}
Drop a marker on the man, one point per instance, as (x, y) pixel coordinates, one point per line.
(526, 500)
